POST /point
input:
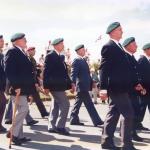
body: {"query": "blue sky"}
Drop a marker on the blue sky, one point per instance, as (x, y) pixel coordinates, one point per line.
(76, 21)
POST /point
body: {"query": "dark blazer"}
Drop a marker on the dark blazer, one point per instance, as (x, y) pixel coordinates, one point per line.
(145, 72)
(34, 68)
(2, 74)
(55, 75)
(80, 75)
(135, 73)
(18, 69)
(114, 69)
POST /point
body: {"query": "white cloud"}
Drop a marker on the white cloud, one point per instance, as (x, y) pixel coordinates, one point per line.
(76, 21)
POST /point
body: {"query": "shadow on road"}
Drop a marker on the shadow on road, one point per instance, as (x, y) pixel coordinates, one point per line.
(87, 138)
(40, 146)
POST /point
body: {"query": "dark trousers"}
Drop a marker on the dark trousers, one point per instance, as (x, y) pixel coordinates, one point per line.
(2, 106)
(136, 104)
(39, 104)
(145, 102)
(9, 111)
(119, 104)
(86, 99)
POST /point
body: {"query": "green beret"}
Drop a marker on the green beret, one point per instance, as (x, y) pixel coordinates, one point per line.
(79, 47)
(128, 41)
(1, 36)
(17, 36)
(57, 41)
(146, 46)
(112, 26)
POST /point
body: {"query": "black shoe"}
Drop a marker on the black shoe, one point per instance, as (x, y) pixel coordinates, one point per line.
(141, 127)
(99, 124)
(103, 102)
(77, 123)
(52, 130)
(16, 141)
(110, 147)
(33, 122)
(8, 121)
(25, 139)
(46, 114)
(62, 131)
(3, 130)
(137, 138)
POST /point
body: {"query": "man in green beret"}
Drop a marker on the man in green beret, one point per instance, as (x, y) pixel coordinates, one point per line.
(144, 62)
(137, 88)
(19, 73)
(2, 85)
(82, 82)
(56, 80)
(115, 82)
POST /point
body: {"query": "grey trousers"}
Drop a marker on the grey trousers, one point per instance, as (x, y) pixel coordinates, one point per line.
(8, 114)
(119, 104)
(59, 110)
(22, 110)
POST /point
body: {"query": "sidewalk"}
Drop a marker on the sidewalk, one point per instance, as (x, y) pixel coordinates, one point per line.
(82, 137)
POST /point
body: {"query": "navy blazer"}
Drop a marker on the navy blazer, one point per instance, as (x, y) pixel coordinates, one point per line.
(145, 72)
(114, 69)
(80, 75)
(2, 74)
(135, 73)
(55, 75)
(19, 71)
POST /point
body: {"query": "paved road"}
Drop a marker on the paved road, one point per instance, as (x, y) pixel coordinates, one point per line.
(82, 137)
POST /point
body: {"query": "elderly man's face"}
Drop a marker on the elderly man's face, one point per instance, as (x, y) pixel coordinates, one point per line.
(81, 52)
(21, 43)
(59, 47)
(117, 33)
(132, 47)
(147, 52)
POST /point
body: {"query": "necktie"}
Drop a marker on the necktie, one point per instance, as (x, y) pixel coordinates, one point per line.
(24, 52)
(133, 58)
(120, 46)
(85, 60)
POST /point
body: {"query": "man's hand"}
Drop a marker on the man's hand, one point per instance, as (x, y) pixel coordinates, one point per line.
(143, 92)
(18, 91)
(73, 88)
(30, 99)
(103, 94)
(46, 91)
(138, 87)
(94, 85)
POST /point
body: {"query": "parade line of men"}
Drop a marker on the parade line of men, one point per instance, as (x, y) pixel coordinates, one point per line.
(124, 81)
